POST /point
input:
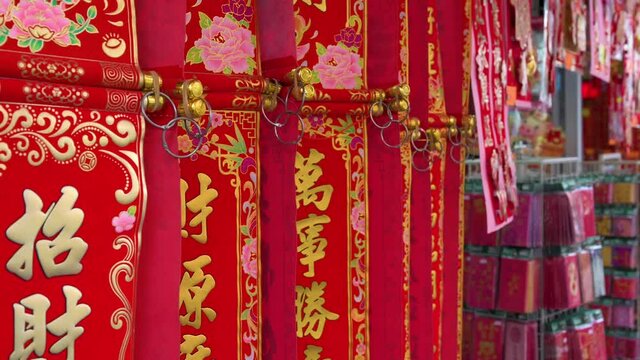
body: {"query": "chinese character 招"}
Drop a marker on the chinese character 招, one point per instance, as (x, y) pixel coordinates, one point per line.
(199, 206)
(30, 329)
(61, 221)
(194, 289)
(311, 315)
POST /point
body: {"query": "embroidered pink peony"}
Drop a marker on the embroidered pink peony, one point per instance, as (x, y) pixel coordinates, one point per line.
(185, 144)
(249, 259)
(217, 120)
(338, 68)
(357, 218)
(40, 20)
(225, 44)
(123, 222)
(5, 9)
(361, 349)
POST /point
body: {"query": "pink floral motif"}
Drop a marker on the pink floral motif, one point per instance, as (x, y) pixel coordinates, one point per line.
(217, 120)
(238, 9)
(225, 44)
(349, 37)
(123, 222)
(40, 20)
(249, 259)
(361, 349)
(301, 51)
(357, 217)
(185, 144)
(338, 68)
(5, 9)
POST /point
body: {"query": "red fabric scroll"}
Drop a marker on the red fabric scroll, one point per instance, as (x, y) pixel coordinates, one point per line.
(73, 41)
(157, 322)
(71, 238)
(420, 258)
(385, 194)
(454, 25)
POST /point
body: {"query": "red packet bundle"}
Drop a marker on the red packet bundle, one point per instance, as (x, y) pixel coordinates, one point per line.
(588, 213)
(519, 281)
(559, 225)
(524, 230)
(623, 314)
(482, 269)
(608, 281)
(624, 284)
(611, 345)
(488, 337)
(627, 346)
(599, 342)
(556, 342)
(625, 193)
(603, 223)
(607, 254)
(624, 222)
(597, 268)
(603, 193)
(467, 334)
(521, 340)
(580, 335)
(562, 281)
(586, 276)
(605, 307)
(577, 211)
(624, 253)
(476, 223)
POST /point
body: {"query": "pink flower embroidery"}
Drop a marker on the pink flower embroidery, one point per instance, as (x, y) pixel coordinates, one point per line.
(123, 222)
(301, 51)
(338, 68)
(361, 349)
(349, 37)
(249, 259)
(40, 20)
(357, 217)
(225, 44)
(217, 120)
(5, 8)
(185, 144)
(238, 9)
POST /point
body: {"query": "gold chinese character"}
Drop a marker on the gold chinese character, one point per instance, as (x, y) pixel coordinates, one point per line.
(322, 6)
(198, 206)
(311, 315)
(192, 343)
(313, 352)
(61, 220)
(32, 328)
(307, 174)
(194, 289)
(311, 245)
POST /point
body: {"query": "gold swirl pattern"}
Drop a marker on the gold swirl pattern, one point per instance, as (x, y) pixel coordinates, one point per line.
(118, 76)
(55, 94)
(123, 316)
(32, 67)
(250, 85)
(245, 102)
(122, 101)
(39, 133)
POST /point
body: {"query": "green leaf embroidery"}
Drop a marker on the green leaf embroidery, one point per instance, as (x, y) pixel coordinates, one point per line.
(74, 39)
(252, 65)
(194, 56)
(320, 49)
(244, 315)
(4, 34)
(244, 23)
(314, 77)
(205, 21)
(132, 210)
(359, 82)
(92, 29)
(92, 12)
(79, 18)
(36, 45)
(244, 230)
(226, 70)
(24, 43)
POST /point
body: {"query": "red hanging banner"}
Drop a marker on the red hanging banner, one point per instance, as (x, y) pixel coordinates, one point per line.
(72, 242)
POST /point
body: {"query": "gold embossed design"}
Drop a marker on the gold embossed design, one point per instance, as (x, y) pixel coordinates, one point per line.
(245, 102)
(61, 135)
(122, 101)
(250, 85)
(54, 94)
(123, 316)
(118, 75)
(32, 67)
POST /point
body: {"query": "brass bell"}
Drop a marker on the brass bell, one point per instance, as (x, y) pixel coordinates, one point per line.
(197, 107)
(269, 102)
(194, 89)
(376, 109)
(413, 124)
(400, 105)
(309, 93)
(151, 105)
(302, 75)
(416, 135)
(272, 88)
